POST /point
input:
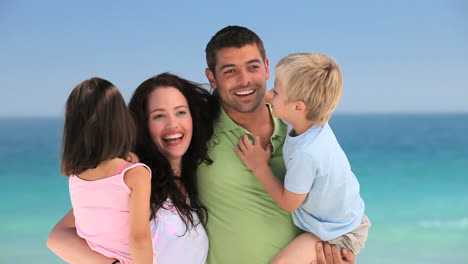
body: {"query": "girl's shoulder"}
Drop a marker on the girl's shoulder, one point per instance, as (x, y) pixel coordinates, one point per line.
(136, 173)
(103, 170)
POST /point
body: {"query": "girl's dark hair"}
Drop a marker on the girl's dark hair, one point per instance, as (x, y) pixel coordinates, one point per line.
(204, 110)
(97, 126)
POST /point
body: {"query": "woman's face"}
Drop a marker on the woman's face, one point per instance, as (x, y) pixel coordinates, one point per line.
(170, 122)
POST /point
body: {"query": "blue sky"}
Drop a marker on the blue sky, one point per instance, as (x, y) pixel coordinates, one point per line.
(396, 56)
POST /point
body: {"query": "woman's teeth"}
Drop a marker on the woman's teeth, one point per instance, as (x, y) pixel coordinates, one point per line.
(173, 137)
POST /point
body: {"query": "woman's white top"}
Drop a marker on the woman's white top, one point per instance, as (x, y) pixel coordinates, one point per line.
(172, 246)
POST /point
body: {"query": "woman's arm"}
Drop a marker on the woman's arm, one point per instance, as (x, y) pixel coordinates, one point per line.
(66, 244)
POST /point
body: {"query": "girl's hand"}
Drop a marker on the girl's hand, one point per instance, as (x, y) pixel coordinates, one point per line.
(253, 155)
(133, 158)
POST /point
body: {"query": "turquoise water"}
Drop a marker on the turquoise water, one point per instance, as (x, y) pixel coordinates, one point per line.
(413, 171)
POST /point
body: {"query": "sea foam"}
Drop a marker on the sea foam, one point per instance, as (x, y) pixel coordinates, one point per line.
(461, 224)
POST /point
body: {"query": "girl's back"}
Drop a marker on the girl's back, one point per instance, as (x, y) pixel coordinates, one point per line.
(101, 205)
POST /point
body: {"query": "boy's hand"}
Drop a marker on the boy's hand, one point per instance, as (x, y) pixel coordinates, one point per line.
(253, 155)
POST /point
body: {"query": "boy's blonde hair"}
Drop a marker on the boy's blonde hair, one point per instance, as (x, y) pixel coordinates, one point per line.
(314, 79)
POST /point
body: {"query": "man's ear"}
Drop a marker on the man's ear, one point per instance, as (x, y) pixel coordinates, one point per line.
(267, 67)
(211, 78)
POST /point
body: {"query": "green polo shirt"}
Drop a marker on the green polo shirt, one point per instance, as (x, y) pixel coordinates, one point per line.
(244, 224)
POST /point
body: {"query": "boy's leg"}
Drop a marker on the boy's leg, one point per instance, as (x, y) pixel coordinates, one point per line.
(300, 251)
(354, 240)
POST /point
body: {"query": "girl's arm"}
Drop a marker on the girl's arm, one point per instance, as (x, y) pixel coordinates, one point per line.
(256, 159)
(66, 244)
(138, 180)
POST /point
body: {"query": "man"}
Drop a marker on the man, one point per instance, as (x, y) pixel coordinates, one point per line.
(244, 224)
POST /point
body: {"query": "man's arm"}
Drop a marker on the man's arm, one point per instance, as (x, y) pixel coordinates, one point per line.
(66, 244)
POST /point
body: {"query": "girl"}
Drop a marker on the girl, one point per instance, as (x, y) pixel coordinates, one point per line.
(110, 199)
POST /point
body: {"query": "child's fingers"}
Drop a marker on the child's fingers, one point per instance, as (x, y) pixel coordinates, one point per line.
(245, 142)
(241, 144)
(239, 151)
(132, 157)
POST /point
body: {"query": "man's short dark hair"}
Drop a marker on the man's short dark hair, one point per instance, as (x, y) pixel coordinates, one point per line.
(231, 36)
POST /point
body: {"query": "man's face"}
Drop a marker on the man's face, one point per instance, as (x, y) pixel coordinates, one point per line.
(240, 78)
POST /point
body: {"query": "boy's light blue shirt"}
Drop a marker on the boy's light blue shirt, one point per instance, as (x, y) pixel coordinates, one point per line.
(317, 165)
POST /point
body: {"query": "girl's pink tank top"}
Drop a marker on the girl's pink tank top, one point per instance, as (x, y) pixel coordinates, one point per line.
(102, 213)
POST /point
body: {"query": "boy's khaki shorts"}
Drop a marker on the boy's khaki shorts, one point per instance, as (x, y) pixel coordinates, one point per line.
(355, 239)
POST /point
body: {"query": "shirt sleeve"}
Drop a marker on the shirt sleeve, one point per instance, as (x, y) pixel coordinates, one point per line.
(300, 174)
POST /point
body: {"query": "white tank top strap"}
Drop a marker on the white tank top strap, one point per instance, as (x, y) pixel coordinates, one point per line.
(122, 174)
(133, 166)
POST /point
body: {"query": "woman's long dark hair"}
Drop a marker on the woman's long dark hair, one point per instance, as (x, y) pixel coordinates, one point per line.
(204, 110)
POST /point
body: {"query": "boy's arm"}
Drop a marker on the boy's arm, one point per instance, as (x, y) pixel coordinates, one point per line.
(65, 243)
(256, 159)
(138, 180)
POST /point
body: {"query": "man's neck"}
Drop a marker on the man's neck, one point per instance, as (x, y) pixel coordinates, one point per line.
(258, 122)
(249, 119)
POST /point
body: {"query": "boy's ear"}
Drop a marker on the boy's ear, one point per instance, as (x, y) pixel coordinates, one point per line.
(300, 106)
(211, 78)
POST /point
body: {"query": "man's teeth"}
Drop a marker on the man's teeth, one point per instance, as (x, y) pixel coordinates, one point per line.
(244, 92)
(173, 136)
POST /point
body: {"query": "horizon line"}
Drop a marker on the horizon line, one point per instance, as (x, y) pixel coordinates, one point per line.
(334, 114)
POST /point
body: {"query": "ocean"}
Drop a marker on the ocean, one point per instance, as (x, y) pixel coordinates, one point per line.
(413, 171)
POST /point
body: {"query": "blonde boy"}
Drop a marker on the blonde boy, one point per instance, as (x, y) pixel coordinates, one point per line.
(319, 188)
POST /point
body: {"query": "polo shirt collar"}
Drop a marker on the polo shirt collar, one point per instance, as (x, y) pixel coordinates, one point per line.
(225, 123)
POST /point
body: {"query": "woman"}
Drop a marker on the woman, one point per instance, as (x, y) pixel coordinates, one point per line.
(174, 120)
